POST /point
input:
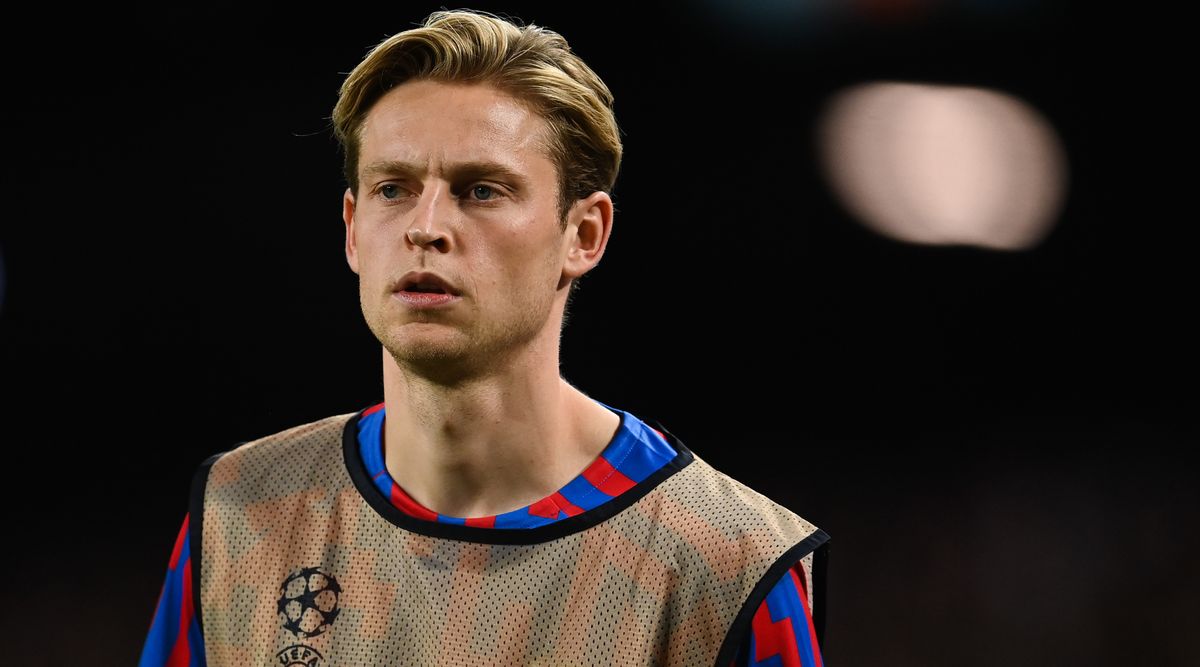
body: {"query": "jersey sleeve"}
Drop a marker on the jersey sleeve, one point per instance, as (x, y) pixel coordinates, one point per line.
(782, 632)
(174, 639)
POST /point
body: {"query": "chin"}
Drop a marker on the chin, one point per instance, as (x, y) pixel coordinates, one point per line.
(428, 354)
(425, 348)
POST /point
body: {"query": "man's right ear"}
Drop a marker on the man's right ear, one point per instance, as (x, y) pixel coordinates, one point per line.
(348, 218)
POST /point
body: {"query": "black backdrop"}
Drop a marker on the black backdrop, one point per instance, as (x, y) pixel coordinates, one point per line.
(995, 440)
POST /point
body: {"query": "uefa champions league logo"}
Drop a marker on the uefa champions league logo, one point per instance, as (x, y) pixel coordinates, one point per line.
(308, 602)
(308, 606)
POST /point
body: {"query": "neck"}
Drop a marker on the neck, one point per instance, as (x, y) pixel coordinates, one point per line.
(491, 443)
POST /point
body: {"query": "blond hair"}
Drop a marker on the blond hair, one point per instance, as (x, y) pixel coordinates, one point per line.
(531, 63)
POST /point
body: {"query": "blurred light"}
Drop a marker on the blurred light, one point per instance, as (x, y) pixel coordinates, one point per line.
(777, 22)
(943, 164)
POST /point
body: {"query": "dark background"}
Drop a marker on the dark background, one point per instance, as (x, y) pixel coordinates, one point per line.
(997, 441)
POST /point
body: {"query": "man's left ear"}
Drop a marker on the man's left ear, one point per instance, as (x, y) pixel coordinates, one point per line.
(589, 224)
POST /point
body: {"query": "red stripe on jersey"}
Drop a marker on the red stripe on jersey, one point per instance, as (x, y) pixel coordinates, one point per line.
(812, 631)
(181, 652)
(567, 506)
(774, 638)
(372, 410)
(183, 532)
(409, 506)
(483, 522)
(607, 478)
(545, 508)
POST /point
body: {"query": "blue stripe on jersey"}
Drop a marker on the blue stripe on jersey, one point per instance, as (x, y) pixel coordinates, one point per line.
(196, 644)
(637, 451)
(520, 518)
(784, 602)
(583, 494)
(370, 430)
(164, 628)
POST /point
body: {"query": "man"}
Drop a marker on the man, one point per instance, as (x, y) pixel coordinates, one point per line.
(485, 511)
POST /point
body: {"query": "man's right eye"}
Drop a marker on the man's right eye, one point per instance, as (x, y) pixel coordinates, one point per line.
(389, 191)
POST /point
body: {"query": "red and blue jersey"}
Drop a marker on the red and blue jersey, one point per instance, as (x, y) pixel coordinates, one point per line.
(782, 633)
(174, 639)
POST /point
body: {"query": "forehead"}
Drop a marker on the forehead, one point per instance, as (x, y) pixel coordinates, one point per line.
(433, 122)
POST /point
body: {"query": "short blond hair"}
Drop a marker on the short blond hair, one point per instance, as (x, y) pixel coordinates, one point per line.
(531, 63)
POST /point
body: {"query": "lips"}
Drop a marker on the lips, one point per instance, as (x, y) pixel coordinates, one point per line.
(425, 283)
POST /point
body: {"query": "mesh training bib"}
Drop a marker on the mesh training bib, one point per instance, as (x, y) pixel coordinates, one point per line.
(303, 561)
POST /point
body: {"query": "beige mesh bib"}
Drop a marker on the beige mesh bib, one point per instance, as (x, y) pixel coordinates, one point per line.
(304, 562)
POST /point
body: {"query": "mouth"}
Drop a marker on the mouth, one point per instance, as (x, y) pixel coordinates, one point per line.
(425, 283)
(425, 291)
(424, 288)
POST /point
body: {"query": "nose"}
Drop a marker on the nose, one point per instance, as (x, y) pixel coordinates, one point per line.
(428, 227)
(422, 238)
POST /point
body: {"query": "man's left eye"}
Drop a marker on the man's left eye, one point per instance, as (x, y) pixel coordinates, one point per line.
(483, 192)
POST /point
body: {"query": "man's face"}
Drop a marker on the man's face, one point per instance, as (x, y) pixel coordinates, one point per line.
(454, 230)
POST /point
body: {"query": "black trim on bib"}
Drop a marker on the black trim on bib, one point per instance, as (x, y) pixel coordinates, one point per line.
(738, 630)
(551, 531)
(819, 567)
(196, 531)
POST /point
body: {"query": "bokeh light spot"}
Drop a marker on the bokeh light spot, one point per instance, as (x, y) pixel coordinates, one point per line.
(938, 164)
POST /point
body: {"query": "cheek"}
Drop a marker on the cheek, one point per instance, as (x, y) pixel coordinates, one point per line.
(374, 248)
(533, 264)
(511, 278)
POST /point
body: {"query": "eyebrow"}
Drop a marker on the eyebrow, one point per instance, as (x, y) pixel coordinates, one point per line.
(457, 171)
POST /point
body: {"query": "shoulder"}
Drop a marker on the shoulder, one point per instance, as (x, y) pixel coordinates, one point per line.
(298, 436)
(295, 445)
(738, 529)
(699, 493)
(731, 504)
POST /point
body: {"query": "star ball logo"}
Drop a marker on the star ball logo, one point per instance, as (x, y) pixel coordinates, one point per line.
(308, 602)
